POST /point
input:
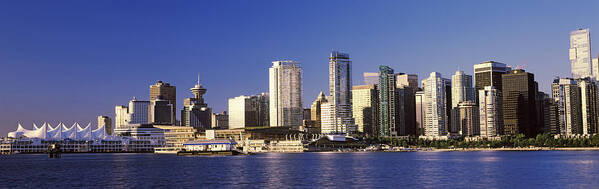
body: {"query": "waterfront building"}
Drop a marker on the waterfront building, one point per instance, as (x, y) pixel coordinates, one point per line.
(589, 105)
(340, 83)
(419, 102)
(220, 121)
(106, 122)
(566, 94)
(468, 119)
(166, 92)
(403, 80)
(435, 103)
(248, 111)
(364, 108)
(174, 137)
(315, 110)
(519, 103)
(79, 139)
(491, 118)
(138, 111)
(461, 91)
(371, 78)
(489, 74)
(121, 116)
(285, 90)
(196, 112)
(580, 53)
(387, 102)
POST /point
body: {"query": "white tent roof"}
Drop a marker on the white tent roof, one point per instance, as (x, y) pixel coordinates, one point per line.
(61, 132)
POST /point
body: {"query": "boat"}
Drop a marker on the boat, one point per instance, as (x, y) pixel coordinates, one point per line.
(210, 153)
(214, 147)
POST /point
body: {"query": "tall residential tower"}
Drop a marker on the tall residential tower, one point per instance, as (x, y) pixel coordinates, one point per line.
(285, 90)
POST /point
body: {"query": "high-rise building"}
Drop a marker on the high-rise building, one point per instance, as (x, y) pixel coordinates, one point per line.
(489, 74)
(387, 102)
(138, 111)
(196, 112)
(580, 53)
(220, 121)
(595, 66)
(263, 101)
(106, 122)
(327, 117)
(285, 90)
(168, 93)
(405, 111)
(248, 111)
(461, 88)
(566, 94)
(243, 112)
(371, 78)
(121, 116)
(435, 104)
(544, 107)
(589, 105)
(467, 118)
(461, 91)
(161, 110)
(419, 98)
(519, 104)
(365, 108)
(315, 110)
(491, 118)
(403, 80)
(340, 83)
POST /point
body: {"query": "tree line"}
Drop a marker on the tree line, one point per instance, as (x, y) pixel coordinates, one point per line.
(541, 140)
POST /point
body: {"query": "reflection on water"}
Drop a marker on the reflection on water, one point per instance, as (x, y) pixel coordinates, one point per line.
(491, 169)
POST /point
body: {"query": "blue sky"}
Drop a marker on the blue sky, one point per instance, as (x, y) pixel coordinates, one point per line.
(73, 60)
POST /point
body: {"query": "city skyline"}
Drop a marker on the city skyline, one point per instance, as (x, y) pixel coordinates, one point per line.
(86, 79)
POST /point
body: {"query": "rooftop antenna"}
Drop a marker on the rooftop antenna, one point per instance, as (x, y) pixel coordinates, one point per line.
(198, 78)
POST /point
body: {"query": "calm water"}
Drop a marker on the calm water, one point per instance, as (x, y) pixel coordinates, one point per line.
(561, 169)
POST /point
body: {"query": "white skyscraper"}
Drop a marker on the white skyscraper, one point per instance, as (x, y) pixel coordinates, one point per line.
(461, 91)
(566, 94)
(121, 116)
(340, 91)
(138, 111)
(461, 88)
(580, 53)
(285, 89)
(491, 118)
(327, 117)
(435, 105)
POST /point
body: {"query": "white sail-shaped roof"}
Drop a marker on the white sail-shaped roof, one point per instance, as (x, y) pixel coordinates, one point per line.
(38, 133)
(83, 133)
(61, 132)
(70, 133)
(99, 133)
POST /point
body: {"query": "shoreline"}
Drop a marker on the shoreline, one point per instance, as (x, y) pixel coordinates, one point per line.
(515, 149)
